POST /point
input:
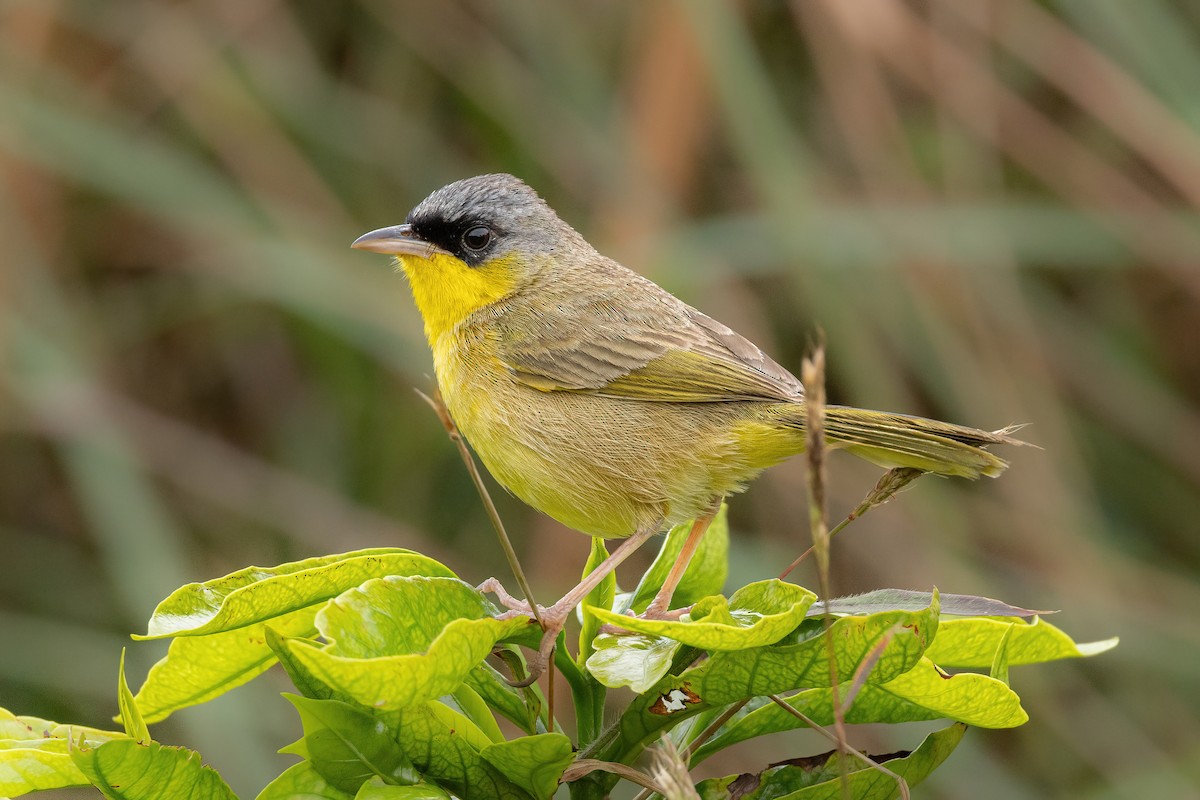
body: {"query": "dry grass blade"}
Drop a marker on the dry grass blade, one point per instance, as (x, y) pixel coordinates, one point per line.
(670, 771)
(587, 765)
(812, 375)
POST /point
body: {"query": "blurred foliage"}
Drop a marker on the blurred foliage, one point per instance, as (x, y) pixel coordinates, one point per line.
(988, 207)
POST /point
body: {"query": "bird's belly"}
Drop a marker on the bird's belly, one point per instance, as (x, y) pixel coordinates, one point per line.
(604, 466)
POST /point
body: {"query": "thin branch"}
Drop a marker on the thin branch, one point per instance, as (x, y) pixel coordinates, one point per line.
(443, 413)
(903, 784)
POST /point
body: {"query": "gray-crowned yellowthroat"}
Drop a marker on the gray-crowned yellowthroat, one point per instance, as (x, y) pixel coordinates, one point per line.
(599, 398)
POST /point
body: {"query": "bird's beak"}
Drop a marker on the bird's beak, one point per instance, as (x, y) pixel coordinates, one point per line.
(397, 240)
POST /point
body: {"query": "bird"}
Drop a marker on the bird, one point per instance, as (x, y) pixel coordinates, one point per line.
(602, 400)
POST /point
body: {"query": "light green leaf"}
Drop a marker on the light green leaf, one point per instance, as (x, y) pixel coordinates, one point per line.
(600, 597)
(922, 693)
(305, 682)
(705, 574)
(972, 643)
(821, 780)
(35, 753)
(472, 704)
(757, 614)
(126, 770)
(36, 768)
(256, 594)
(301, 782)
(396, 681)
(198, 668)
(397, 615)
(907, 600)
(535, 763)
(634, 660)
(376, 789)
(130, 716)
(999, 668)
(445, 747)
(347, 745)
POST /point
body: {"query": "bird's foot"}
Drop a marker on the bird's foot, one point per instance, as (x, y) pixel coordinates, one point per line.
(553, 620)
(651, 613)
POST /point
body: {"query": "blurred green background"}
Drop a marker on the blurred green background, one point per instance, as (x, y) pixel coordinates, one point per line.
(989, 208)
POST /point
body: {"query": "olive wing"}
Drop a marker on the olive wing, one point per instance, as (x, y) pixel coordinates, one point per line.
(654, 349)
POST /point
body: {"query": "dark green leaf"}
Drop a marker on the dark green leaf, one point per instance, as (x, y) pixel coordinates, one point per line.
(535, 763)
(818, 778)
(301, 782)
(445, 747)
(347, 745)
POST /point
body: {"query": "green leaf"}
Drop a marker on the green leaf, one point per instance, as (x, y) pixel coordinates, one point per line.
(126, 770)
(445, 747)
(634, 660)
(397, 615)
(999, 668)
(818, 778)
(375, 789)
(393, 682)
(510, 703)
(601, 597)
(922, 693)
(305, 682)
(757, 614)
(705, 574)
(907, 600)
(728, 677)
(35, 753)
(301, 782)
(256, 594)
(198, 668)
(130, 716)
(972, 643)
(347, 745)
(535, 763)
(471, 704)
(36, 767)
(398, 641)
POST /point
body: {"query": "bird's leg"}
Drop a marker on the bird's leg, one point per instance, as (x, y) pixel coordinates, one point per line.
(658, 608)
(554, 618)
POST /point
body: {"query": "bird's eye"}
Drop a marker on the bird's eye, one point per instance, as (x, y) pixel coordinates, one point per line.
(477, 238)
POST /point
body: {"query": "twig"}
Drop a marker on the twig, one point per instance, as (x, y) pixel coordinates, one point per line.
(443, 413)
(841, 745)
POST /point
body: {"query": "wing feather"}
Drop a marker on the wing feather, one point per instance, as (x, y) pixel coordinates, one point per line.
(635, 341)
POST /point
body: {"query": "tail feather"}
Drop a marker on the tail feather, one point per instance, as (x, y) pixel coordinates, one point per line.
(898, 440)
